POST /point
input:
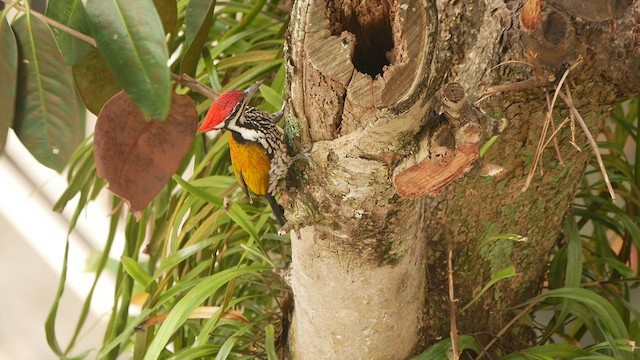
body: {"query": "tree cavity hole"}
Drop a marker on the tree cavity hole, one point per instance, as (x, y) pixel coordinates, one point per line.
(555, 29)
(370, 23)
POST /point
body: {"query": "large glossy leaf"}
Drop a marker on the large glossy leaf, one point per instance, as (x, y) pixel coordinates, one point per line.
(72, 14)
(198, 21)
(130, 36)
(94, 81)
(168, 11)
(136, 156)
(9, 76)
(49, 117)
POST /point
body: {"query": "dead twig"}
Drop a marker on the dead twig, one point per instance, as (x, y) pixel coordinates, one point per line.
(592, 142)
(455, 345)
(511, 62)
(195, 86)
(545, 126)
(539, 77)
(520, 85)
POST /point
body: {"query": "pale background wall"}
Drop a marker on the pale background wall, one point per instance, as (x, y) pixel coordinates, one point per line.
(32, 242)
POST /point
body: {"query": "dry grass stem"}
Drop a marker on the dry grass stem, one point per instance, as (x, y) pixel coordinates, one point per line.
(511, 62)
(545, 126)
(592, 142)
(553, 134)
(573, 132)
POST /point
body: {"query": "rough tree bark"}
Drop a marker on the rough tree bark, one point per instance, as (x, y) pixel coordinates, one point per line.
(369, 267)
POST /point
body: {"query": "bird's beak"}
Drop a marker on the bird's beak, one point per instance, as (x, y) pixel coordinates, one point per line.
(252, 89)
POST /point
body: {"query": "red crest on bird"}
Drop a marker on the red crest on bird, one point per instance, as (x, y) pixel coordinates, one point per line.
(224, 104)
(221, 109)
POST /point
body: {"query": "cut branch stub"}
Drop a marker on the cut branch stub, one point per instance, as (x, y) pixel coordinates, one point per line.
(449, 148)
(358, 57)
(431, 177)
(551, 35)
(137, 156)
(594, 10)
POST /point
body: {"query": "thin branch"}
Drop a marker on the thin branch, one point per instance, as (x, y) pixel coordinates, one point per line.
(195, 86)
(502, 331)
(592, 142)
(520, 85)
(73, 32)
(184, 79)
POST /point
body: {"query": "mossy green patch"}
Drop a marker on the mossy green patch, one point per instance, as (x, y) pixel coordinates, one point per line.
(497, 253)
(527, 157)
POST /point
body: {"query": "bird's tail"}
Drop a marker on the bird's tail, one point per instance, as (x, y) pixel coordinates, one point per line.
(277, 209)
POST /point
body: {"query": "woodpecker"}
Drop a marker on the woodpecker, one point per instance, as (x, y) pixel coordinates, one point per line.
(259, 155)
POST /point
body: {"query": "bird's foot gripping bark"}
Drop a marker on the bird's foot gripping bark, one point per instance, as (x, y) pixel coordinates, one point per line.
(450, 148)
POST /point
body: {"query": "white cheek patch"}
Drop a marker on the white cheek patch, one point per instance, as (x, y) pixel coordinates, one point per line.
(247, 134)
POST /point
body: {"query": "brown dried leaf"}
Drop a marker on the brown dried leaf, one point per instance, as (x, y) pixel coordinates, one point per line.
(137, 156)
(431, 177)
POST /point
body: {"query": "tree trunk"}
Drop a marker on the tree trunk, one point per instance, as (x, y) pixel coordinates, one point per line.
(369, 272)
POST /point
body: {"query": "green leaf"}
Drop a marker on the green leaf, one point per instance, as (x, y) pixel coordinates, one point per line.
(72, 14)
(574, 253)
(168, 12)
(94, 81)
(190, 302)
(602, 309)
(50, 323)
(271, 96)
(552, 351)
(486, 146)
(49, 117)
(236, 213)
(500, 275)
(131, 39)
(135, 271)
(513, 237)
(441, 350)
(9, 76)
(270, 342)
(255, 56)
(198, 21)
(226, 348)
(180, 256)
